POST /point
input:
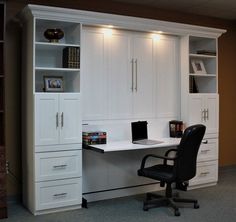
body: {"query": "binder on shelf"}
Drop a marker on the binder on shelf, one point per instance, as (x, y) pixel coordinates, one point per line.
(71, 57)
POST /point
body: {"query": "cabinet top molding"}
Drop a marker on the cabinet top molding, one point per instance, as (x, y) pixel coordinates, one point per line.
(118, 21)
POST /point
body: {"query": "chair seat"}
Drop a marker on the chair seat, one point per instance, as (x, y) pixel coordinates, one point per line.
(158, 172)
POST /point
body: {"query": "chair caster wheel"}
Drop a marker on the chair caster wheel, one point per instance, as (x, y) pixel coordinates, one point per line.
(196, 206)
(145, 208)
(177, 213)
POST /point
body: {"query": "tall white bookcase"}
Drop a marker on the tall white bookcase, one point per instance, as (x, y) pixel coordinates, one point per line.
(52, 162)
(200, 100)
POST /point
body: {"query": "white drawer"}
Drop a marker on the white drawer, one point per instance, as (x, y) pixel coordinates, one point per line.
(58, 165)
(59, 193)
(207, 172)
(208, 150)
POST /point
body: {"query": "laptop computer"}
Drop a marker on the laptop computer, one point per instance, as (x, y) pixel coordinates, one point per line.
(140, 134)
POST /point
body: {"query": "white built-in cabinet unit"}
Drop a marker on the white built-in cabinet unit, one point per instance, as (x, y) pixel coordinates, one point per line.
(129, 72)
(200, 100)
(52, 145)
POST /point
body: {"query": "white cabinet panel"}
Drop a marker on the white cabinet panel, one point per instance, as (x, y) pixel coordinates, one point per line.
(196, 104)
(168, 84)
(70, 114)
(46, 119)
(120, 76)
(144, 76)
(58, 165)
(204, 109)
(212, 108)
(59, 193)
(94, 78)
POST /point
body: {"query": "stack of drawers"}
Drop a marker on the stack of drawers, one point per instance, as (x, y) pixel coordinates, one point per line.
(207, 163)
(58, 178)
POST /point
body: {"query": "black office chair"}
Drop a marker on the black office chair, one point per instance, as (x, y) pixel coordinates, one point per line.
(182, 169)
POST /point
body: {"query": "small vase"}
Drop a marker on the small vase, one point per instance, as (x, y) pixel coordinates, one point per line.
(53, 35)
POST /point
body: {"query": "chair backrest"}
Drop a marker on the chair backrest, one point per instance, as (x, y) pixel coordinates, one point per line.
(187, 152)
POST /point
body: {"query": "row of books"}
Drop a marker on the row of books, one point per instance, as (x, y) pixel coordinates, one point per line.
(94, 138)
(71, 57)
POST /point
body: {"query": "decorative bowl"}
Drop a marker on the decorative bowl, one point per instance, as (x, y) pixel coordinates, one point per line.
(53, 35)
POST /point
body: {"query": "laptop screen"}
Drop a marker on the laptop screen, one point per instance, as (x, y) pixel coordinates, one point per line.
(139, 130)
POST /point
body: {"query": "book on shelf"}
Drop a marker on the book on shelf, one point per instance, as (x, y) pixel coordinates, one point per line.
(193, 88)
(207, 52)
(71, 57)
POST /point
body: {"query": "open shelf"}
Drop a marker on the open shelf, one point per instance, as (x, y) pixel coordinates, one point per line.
(50, 58)
(71, 78)
(202, 65)
(71, 31)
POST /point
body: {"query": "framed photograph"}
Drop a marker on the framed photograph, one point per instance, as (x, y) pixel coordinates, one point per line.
(198, 66)
(53, 84)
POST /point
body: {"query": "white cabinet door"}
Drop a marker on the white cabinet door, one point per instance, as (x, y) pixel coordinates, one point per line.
(144, 78)
(57, 119)
(120, 76)
(70, 118)
(212, 108)
(204, 109)
(94, 78)
(196, 107)
(46, 119)
(168, 84)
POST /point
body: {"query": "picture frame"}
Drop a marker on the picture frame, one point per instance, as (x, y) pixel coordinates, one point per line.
(53, 84)
(198, 66)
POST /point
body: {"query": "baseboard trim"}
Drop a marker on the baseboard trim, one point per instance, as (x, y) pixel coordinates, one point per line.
(228, 168)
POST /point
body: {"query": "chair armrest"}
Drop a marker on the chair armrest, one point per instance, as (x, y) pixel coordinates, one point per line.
(167, 153)
(170, 150)
(155, 156)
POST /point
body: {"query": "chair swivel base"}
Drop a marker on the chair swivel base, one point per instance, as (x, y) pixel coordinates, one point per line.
(155, 200)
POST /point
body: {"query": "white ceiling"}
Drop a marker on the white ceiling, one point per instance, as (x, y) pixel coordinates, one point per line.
(225, 9)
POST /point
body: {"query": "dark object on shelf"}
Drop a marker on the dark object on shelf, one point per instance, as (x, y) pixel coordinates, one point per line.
(206, 52)
(176, 128)
(90, 138)
(71, 57)
(53, 35)
(193, 85)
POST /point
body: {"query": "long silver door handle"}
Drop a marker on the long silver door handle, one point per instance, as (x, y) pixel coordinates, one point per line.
(202, 115)
(207, 114)
(136, 75)
(57, 120)
(132, 70)
(62, 119)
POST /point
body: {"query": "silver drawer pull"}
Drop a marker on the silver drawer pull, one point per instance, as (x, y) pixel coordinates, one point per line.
(204, 173)
(204, 151)
(60, 194)
(60, 166)
(205, 141)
